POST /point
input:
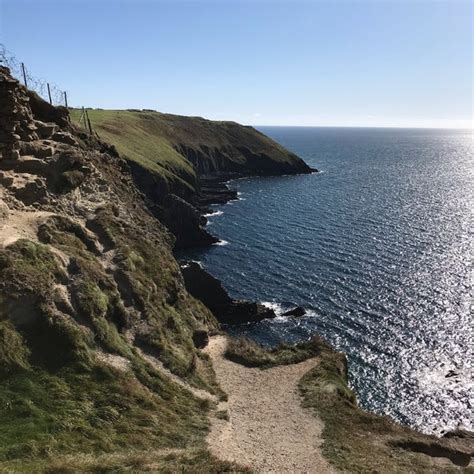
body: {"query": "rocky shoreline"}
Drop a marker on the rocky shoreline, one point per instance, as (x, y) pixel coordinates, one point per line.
(228, 311)
(214, 189)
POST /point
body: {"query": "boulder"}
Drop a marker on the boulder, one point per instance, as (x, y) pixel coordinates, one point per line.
(44, 152)
(45, 130)
(65, 137)
(296, 312)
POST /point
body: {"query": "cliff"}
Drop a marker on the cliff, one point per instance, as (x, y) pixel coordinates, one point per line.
(183, 149)
(98, 334)
(173, 157)
(101, 335)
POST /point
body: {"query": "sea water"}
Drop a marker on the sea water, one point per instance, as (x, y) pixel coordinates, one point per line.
(378, 248)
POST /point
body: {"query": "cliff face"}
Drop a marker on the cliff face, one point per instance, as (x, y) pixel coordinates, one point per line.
(210, 291)
(99, 338)
(189, 157)
(95, 320)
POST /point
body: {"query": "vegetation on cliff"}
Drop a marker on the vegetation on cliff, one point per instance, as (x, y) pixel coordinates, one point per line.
(179, 148)
(98, 363)
(101, 365)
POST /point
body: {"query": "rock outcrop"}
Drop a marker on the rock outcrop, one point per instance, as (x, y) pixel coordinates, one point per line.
(210, 291)
(16, 120)
(185, 222)
(296, 312)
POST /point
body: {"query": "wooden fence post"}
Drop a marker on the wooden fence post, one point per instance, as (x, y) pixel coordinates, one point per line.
(49, 94)
(24, 74)
(89, 122)
(65, 99)
(84, 118)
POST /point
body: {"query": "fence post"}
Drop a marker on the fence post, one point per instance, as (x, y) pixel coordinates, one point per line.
(89, 122)
(49, 94)
(84, 118)
(24, 74)
(65, 99)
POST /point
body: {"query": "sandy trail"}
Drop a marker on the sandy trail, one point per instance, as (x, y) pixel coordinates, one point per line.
(268, 429)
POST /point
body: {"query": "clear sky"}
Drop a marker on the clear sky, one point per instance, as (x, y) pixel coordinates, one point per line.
(334, 63)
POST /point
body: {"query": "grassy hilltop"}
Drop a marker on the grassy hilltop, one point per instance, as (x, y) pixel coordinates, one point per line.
(176, 147)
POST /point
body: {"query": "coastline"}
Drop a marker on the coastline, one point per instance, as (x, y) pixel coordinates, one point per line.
(456, 447)
(102, 340)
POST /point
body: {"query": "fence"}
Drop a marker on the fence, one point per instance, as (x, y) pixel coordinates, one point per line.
(47, 90)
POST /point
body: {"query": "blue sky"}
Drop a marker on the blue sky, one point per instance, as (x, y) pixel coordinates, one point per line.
(334, 63)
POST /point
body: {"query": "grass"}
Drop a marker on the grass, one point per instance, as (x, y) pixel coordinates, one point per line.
(247, 352)
(167, 145)
(139, 138)
(193, 461)
(99, 411)
(357, 441)
(58, 403)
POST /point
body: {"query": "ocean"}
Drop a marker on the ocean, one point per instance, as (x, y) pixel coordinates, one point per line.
(377, 247)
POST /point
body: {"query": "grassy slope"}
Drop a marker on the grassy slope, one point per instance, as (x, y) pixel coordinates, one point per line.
(152, 139)
(62, 304)
(59, 406)
(138, 137)
(107, 284)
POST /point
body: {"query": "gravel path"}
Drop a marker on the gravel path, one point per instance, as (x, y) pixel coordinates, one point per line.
(268, 429)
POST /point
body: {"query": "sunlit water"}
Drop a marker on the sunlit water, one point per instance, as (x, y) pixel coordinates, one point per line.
(378, 248)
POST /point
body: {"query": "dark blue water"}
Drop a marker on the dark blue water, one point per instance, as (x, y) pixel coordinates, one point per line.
(378, 247)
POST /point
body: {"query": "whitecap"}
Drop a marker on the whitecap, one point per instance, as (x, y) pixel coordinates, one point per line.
(214, 214)
(277, 307)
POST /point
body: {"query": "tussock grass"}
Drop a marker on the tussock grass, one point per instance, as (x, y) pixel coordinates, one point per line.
(56, 398)
(194, 461)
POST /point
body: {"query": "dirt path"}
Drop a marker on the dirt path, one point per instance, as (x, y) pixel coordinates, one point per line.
(268, 429)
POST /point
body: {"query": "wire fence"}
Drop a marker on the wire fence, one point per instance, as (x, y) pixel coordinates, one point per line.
(47, 90)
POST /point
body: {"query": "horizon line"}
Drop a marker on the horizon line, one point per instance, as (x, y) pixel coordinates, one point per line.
(366, 126)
